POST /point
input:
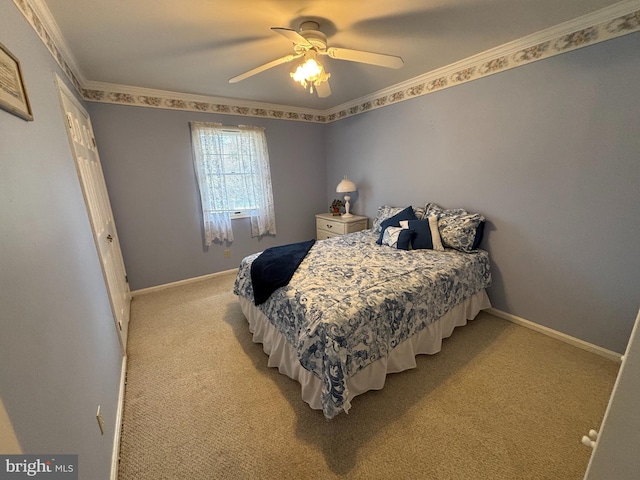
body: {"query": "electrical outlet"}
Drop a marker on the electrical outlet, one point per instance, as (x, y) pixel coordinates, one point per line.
(100, 420)
(227, 253)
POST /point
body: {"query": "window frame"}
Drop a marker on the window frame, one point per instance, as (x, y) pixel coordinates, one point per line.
(237, 213)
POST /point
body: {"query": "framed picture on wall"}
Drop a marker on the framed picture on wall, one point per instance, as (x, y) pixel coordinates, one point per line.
(13, 94)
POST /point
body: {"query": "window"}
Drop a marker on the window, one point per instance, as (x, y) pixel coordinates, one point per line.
(232, 170)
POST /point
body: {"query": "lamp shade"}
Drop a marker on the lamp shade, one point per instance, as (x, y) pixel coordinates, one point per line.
(346, 186)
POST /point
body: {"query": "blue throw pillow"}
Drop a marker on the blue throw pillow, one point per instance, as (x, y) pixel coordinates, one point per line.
(404, 239)
(422, 238)
(406, 214)
(479, 234)
(397, 237)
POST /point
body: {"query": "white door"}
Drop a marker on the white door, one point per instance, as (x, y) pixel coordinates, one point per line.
(94, 189)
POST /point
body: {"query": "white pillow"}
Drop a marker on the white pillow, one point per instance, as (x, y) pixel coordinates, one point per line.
(435, 233)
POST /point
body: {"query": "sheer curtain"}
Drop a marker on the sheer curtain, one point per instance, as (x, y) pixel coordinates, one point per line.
(232, 167)
(263, 217)
(216, 216)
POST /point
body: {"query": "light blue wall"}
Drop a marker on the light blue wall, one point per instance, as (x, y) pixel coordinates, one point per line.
(59, 353)
(550, 154)
(146, 157)
(547, 152)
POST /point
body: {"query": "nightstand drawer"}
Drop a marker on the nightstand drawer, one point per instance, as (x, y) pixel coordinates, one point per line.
(331, 227)
(328, 225)
(323, 234)
(356, 226)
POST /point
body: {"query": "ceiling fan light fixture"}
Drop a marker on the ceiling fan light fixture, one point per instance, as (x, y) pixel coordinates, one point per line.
(310, 73)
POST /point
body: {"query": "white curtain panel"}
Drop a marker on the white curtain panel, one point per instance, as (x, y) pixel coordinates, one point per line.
(252, 158)
(263, 218)
(216, 216)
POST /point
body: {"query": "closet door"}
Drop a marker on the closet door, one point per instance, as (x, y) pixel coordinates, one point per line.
(83, 146)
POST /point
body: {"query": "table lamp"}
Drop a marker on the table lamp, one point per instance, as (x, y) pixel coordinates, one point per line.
(346, 186)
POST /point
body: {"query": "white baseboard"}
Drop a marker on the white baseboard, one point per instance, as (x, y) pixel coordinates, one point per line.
(115, 456)
(157, 288)
(563, 337)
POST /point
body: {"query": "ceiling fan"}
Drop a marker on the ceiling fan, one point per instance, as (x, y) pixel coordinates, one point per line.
(310, 43)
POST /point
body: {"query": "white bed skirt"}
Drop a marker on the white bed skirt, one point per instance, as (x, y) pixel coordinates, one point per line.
(372, 377)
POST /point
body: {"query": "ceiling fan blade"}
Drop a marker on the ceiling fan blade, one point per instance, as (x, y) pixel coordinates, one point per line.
(380, 59)
(324, 90)
(292, 35)
(262, 68)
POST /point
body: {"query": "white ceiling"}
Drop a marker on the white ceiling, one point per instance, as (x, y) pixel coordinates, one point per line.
(195, 46)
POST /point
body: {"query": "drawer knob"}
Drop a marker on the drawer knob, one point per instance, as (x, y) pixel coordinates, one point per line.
(329, 226)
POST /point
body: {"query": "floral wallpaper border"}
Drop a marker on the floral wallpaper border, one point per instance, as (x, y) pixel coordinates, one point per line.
(42, 29)
(440, 79)
(175, 101)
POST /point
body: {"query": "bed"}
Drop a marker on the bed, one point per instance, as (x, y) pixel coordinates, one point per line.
(359, 306)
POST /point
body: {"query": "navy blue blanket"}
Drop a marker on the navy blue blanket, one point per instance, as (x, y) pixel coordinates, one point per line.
(274, 267)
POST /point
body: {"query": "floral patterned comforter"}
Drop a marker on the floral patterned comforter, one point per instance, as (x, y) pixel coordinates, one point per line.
(351, 301)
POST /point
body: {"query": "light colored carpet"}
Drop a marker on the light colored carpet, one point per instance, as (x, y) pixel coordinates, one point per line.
(498, 402)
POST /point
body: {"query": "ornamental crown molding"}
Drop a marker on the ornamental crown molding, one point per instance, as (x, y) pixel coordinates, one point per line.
(605, 24)
(611, 22)
(41, 20)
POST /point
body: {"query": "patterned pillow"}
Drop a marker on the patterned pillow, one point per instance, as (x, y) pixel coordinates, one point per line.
(458, 228)
(397, 237)
(419, 212)
(386, 211)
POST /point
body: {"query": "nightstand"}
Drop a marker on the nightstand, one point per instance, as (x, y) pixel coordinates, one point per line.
(328, 225)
